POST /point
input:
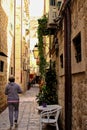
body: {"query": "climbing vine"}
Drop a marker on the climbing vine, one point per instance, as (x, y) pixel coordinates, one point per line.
(42, 30)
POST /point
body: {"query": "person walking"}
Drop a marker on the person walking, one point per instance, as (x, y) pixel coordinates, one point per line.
(12, 90)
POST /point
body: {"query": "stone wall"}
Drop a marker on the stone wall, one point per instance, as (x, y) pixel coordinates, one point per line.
(2, 95)
(79, 105)
(3, 48)
(79, 70)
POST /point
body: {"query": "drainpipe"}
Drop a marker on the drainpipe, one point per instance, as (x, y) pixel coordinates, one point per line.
(14, 31)
(68, 77)
(21, 41)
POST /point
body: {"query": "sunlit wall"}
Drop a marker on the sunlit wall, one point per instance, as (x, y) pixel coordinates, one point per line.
(8, 7)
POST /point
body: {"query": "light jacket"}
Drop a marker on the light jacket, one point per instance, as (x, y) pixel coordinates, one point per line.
(12, 90)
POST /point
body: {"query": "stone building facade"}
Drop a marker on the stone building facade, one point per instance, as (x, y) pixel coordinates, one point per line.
(22, 43)
(14, 45)
(78, 59)
(3, 57)
(78, 65)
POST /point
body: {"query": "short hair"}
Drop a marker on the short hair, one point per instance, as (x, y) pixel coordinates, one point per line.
(11, 79)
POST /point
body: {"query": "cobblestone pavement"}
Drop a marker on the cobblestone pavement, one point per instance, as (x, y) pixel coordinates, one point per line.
(28, 114)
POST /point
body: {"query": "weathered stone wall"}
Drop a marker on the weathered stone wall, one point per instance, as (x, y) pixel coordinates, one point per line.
(2, 95)
(3, 48)
(60, 75)
(79, 70)
(79, 102)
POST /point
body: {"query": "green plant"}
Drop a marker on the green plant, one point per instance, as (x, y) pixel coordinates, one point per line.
(41, 96)
(42, 30)
(48, 94)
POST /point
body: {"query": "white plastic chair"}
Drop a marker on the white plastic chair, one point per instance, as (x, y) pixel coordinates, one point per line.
(50, 116)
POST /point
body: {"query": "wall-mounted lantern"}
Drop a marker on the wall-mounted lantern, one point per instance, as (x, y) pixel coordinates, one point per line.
(35, 51)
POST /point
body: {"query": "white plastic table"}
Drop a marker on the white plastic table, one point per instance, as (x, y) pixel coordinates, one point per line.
(48, 107)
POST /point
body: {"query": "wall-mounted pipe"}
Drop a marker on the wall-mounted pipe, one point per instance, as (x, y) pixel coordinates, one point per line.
(68, 77)
(14, 31)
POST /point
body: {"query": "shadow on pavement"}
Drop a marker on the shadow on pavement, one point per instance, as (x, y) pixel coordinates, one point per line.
(48, 127)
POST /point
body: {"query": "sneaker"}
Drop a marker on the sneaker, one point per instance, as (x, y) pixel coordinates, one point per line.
(16, 125)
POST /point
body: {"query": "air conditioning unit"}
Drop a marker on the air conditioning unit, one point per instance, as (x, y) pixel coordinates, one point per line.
(54, 11)
(52, 14)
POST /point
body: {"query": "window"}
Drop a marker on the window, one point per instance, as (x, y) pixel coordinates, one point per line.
(59, 4)
(61, 60)
(11, 70)
(52, 2)
(1, 66)
(77, 45)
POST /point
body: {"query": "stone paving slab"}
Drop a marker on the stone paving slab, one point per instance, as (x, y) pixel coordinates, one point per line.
(28, 114)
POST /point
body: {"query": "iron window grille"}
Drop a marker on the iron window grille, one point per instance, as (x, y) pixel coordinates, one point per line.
(77, 45)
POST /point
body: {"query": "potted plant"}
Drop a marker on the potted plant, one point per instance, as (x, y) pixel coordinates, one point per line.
(41, 100)
(48, 95)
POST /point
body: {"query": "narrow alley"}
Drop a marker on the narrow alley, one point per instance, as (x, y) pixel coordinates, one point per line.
(44, 42)
(28, 113)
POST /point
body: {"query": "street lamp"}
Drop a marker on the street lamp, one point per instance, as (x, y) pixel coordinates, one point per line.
(35, 51)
